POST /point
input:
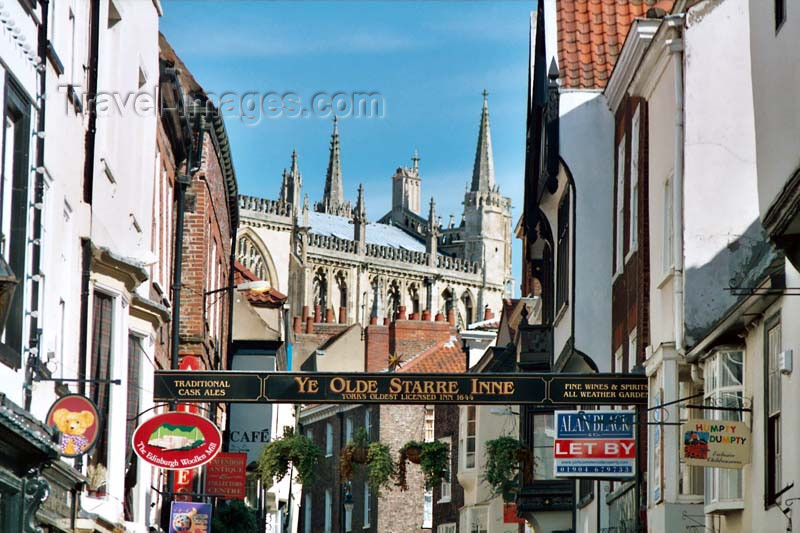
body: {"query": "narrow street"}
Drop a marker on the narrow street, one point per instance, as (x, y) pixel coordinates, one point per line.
(399, 266)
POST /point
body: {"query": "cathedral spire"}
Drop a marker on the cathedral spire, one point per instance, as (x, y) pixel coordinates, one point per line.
(432, 238)
(360, 222)
(292, 183)
(334, 190)
(483, 171)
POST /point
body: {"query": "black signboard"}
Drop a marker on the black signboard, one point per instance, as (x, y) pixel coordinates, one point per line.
(400, 388)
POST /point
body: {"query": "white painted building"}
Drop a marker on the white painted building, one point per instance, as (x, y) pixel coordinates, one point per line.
(715, 280)
(86, 219)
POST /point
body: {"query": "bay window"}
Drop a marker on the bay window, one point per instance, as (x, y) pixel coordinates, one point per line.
(724, 380)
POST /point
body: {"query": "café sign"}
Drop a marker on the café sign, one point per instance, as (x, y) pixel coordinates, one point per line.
(400, 388)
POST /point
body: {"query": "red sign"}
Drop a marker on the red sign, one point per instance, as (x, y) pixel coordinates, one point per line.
(176, 441)
(595, 449)
(184, 484)
(75, 417)
(510, 514)
(225, 475)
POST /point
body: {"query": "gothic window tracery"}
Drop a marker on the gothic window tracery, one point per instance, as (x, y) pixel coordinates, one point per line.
(321, 289)
(413, 294)
(393, 300)
(248, 254)
(469, 308)
(341, 285)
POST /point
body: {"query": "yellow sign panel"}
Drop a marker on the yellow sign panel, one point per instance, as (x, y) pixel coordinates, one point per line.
(716, 443)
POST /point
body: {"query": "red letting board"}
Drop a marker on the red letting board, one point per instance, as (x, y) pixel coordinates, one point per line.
(510, 514)
(225, 475)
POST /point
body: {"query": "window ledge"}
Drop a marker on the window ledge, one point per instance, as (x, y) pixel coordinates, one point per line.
(630, 253)
(666, 278)
(724, 507)
(561, 312)
(443, 500)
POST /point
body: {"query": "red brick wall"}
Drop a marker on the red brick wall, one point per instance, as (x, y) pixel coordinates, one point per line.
(377, 346)
(411, 337)
(206, 224)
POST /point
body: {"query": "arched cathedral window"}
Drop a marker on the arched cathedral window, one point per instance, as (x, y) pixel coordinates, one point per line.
(413, 294)
(248, 254)
(341, 285)
(393, 300)
(321, 289)
(447, 301)
(469, 308)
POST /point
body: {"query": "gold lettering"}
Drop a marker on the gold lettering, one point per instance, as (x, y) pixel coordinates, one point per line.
(307, 385)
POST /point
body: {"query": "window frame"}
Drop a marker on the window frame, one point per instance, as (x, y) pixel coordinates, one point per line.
(714, 477)
(429, 424)
(619, 215)
(668, 231)
(307, 513)
(467, 455)
(779, 7)
(633, 196)
(366, 506)
(562, 251)
(427, 509)
(446, 488)
(328, 524)
(328, 439)
(772, 417)
(15, 245)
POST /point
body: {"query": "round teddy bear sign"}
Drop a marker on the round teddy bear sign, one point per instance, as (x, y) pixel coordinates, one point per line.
(75, 417)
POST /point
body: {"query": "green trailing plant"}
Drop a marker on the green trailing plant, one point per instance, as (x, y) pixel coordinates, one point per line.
(376, 456)
(432, 457)
(505, 457)
(381, 467)
(354, 452)
(234, 516)
(297, 449)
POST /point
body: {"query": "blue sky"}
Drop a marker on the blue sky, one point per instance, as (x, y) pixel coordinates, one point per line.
(430, 60)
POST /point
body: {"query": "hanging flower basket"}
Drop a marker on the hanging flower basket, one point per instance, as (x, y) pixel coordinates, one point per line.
(505, 458)
(301, 451)
(375, 455)
(433, 457)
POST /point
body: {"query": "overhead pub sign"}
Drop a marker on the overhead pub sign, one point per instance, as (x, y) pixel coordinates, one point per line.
(400, 388)
(595, 444)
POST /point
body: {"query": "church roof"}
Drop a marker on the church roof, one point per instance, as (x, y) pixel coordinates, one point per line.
(382, 234)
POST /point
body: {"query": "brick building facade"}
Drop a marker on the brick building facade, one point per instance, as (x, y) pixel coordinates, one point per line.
(402, 346)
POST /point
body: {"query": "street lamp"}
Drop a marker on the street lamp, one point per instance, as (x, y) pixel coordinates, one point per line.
(257, 286)
(348, 499)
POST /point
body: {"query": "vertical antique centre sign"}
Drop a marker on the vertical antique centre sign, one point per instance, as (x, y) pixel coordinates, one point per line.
(400, 388)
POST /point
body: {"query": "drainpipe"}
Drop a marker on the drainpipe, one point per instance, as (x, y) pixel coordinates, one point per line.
(91, 108)
(675, 45)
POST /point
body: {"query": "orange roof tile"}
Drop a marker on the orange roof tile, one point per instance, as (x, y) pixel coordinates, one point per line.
(443, 357)
(270, 298)
(591, 34)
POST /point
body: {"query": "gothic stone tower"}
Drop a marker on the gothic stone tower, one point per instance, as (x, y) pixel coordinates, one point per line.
(487, 214)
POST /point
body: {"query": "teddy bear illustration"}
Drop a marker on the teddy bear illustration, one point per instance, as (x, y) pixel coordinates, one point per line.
(72, 426)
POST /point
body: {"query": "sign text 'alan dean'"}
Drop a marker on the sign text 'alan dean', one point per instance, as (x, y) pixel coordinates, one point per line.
(177, 440)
